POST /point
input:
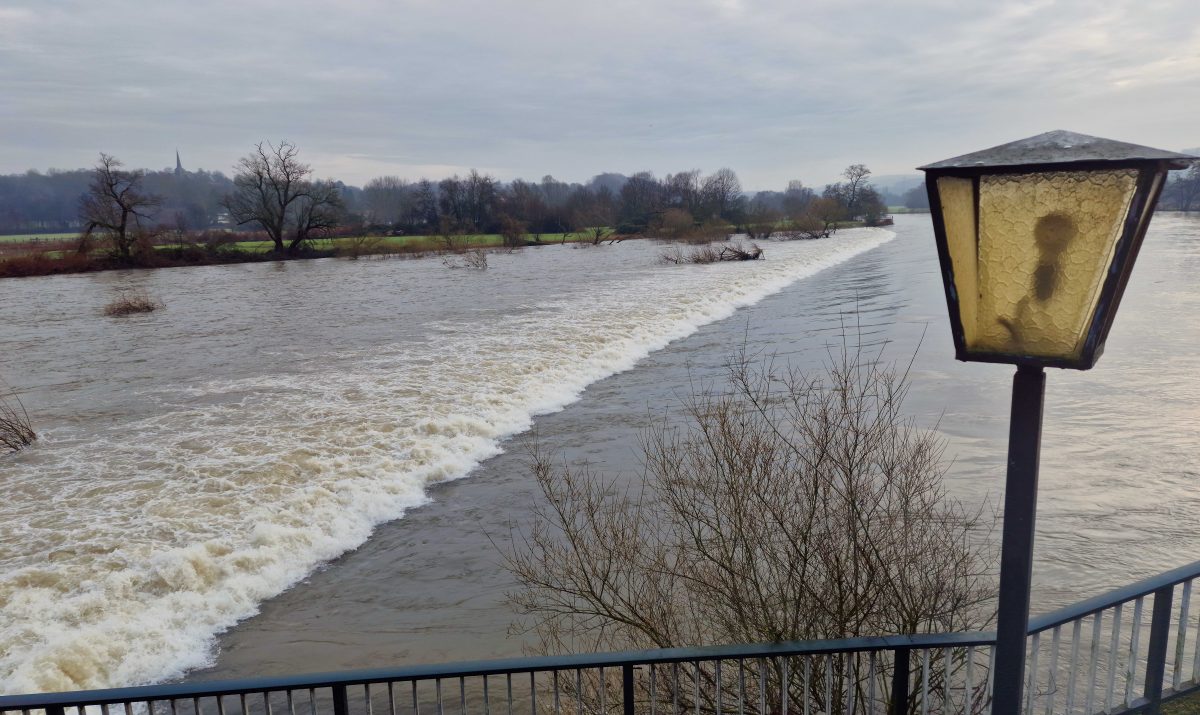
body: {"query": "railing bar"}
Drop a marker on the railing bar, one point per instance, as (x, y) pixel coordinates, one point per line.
(462, 696)
(991, 671)
(579, 691)
(1114, 648)
(968, 691)
(195, 706)
(762, 686)
(947, 699)
(174, 707)
(720, 689)
(674, 689)
(653, 689)
(508, 682)
(1181, 638)
(291, 704)
(871, 683)
(104, 709)
(1052, 679)
(1031, 683)
(532, 694)
(1196, 659)
(741, 686)
(784, 695)
(697, 683)
(925, 682)
(1071, 674)
(366, 694)
(603, 692)
(416, 702)
(828, 683)
(391, 690)
(437, 685)
(1097, 629)
(808, 685)
(851, 677)
(487, 696)
(1134, 637)
(312, 701)
(220, 706)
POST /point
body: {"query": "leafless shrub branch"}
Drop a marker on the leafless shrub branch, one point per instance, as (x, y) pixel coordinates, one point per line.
(786, 506)
(16, 430)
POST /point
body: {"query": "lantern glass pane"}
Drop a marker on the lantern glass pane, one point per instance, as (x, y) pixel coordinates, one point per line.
(1044, 245)
(958, 214)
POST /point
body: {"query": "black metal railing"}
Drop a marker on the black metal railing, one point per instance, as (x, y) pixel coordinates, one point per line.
(1135, 665)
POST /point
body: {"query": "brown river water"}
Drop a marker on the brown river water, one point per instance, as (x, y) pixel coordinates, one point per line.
(303, 466)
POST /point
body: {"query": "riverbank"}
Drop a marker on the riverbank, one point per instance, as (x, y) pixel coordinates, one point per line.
(56, 257)
(39, 256)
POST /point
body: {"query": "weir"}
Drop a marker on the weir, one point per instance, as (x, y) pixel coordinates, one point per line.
(1128, 651)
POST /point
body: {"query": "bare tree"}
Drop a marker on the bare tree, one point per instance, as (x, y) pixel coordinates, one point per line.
(388, 199)
(789, 506)
(318, 211)
(116, 207)
(721, 192)
(272, 190)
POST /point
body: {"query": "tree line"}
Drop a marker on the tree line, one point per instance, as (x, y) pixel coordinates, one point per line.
(274, 192)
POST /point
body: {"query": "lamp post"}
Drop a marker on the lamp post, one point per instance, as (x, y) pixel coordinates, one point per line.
(1036, 240)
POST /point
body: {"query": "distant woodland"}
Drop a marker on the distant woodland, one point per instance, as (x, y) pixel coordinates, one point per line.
(273, 206)
(50, 202)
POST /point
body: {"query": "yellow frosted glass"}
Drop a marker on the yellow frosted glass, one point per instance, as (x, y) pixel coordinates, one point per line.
(1044, 246)
(958, 214)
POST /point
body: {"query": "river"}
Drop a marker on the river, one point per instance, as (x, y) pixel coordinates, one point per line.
(302, 466)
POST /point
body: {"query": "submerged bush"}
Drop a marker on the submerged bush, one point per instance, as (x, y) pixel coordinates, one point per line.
(132, 302)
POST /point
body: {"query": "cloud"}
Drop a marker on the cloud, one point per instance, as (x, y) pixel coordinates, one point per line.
(772, 88)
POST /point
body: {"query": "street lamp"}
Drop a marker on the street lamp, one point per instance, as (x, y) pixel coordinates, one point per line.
(1037, 239)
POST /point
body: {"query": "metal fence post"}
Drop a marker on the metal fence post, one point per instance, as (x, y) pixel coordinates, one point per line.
(627, 688)
(1156, 657)
(341, 704)
(900, 675)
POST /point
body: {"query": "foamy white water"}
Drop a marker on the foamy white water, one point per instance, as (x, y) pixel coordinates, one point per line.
(130, 541)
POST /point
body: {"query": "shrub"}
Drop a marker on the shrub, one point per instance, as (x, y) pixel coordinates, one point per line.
(16, 431)
(132, 302)
(787, 506)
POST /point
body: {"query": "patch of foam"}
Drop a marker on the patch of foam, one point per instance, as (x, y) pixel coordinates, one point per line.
(168, 530)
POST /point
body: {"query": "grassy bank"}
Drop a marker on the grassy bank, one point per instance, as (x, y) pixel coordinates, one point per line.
(53, 254)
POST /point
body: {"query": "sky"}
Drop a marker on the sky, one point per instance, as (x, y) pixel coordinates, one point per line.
(774, 89)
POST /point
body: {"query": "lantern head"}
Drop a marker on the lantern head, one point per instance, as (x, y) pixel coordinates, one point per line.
(1037, 239)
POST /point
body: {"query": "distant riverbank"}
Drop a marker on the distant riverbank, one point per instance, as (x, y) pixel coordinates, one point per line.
(32, 255)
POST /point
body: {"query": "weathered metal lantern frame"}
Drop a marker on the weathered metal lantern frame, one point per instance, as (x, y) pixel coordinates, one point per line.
(1056, 152)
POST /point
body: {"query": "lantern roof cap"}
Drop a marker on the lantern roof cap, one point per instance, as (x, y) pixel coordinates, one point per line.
(1061, 147)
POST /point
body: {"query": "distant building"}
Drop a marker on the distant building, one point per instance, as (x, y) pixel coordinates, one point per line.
(178, 164)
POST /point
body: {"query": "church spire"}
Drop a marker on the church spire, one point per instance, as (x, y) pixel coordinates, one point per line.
(178, 164)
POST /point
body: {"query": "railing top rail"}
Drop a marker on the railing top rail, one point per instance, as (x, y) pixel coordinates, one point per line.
(492, 667)
(1124, 594)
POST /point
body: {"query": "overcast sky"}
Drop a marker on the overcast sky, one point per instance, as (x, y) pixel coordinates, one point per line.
(775, 89)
